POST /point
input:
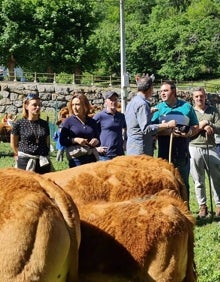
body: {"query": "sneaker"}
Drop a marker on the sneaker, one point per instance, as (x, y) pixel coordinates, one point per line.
(217, 213)
(203, 211)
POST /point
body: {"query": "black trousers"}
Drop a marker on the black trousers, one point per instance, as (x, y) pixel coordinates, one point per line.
(22, 164)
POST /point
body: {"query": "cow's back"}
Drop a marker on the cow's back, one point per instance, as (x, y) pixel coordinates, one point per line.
(134, 218)
(122, 178)
(39, 230)
(153, 239)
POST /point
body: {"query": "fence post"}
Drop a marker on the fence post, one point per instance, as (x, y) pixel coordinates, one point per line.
(73, 82)
(54, 78)
(92, 83)
(35, 77)
(110, 78)
(15, 78)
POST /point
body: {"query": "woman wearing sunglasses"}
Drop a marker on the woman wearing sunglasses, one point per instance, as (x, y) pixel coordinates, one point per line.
(30, 138)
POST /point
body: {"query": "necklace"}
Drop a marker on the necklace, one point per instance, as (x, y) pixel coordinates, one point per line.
(82, 122)
(35, 132)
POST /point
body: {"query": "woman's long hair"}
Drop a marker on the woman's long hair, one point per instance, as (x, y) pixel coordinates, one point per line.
(83, 100)
(31, 96)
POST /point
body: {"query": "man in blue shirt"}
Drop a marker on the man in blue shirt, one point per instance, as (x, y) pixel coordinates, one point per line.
(112, 127)
(187, 125)
(138, 115)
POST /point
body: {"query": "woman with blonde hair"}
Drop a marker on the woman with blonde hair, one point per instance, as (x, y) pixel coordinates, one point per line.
(30, 138)
(79, 132)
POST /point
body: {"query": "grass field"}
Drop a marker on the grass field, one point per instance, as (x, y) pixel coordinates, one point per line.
(207, 232)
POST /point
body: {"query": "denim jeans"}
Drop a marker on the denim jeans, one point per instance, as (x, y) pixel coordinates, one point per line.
(82, 160)
(105, 158)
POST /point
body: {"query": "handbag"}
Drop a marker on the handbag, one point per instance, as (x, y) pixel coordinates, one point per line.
(76, 151)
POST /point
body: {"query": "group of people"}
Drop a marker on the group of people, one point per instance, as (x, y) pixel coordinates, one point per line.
(107, 127)
(184, 134)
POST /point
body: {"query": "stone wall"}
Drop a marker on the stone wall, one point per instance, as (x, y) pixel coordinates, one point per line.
(53, 96)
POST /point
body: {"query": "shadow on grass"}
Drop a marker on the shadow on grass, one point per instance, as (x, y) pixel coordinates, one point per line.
(6, 154)
(210, 218)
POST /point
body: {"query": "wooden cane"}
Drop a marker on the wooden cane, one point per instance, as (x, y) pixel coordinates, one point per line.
(207, 164)
(170, 147)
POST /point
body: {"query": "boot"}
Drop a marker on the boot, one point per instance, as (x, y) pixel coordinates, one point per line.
(203, 211)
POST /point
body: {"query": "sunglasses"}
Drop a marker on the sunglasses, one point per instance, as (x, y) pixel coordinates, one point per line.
(31, 96)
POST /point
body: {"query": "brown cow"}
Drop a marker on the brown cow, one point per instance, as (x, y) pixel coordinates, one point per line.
(135, 225)
(39, 229)
(63, 114)
(122, 178)
(5, 131)
(153, 240)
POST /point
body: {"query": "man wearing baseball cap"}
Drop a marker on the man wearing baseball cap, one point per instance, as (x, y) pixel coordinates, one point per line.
(112, 128)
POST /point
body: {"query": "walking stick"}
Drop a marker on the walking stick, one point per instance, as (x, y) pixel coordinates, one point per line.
(170, 147)
(209, 178)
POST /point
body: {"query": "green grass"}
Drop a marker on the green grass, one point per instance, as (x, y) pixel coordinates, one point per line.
(207, 233)
(207, 238)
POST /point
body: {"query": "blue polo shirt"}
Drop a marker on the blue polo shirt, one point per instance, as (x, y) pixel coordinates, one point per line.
(110, 126)
(180, 144)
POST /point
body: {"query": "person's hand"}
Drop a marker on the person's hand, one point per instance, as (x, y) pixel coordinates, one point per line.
(166, 127)
(153, 110)
(80, 141)
(102, 150)
(16, 157)
(209, 130)
(203, 123)
(171, 124)
(93, 142)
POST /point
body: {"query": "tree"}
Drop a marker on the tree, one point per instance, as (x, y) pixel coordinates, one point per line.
(184, 44)
(48, 33)
(106, 38)
(176, 39)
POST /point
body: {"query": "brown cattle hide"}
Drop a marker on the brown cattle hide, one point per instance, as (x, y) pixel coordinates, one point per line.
(120, 179)
(5, 133)
(135, 224)
(39, 229)
(150, 240)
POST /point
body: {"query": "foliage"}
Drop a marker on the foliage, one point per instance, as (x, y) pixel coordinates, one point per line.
(106, 38)
(175, 39)
(64, 78)
(53, 35)
(183, 45)
(168, 38)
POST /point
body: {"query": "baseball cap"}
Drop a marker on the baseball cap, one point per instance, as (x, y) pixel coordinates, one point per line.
(109, 94)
